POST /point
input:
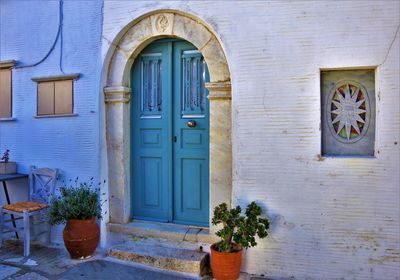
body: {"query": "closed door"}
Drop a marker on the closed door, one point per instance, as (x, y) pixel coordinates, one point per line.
(170, 134)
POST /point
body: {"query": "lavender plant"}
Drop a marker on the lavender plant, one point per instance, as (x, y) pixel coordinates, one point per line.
(80, 202)
(6, 156)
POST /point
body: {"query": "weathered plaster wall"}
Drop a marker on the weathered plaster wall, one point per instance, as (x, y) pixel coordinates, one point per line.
(27, 31)
(332, 217)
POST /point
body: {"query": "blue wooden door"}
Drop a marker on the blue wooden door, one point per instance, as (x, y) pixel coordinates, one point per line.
(170, 134)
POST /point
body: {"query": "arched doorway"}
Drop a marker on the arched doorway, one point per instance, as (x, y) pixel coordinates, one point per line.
(170, 134)
(122, 53)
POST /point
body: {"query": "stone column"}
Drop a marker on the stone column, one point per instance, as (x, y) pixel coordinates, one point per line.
(220, 144)
(118, 152)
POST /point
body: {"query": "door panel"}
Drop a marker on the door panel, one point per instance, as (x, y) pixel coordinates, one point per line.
(191, 176)
(151, 129)
(151, 138)
(191, 196)
(170, 165)
(151, 175)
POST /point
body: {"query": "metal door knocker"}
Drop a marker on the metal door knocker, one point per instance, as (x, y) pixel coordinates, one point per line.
(191, 123)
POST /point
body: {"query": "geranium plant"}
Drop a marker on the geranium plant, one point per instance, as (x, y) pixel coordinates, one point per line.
(238, 230)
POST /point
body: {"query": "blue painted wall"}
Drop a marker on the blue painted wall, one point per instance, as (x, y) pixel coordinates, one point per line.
(27, 32)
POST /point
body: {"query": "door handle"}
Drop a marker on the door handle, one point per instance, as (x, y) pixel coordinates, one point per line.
(191, 123)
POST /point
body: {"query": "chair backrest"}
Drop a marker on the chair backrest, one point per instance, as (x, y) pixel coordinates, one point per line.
(42, 184)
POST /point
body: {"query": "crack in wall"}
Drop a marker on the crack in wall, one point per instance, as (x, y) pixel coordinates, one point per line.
(391, 44)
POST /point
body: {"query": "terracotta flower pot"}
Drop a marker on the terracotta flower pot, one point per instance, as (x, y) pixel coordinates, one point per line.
(81, 237)
(225, 266)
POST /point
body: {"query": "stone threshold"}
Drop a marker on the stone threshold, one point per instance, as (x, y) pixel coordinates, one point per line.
(169, 231)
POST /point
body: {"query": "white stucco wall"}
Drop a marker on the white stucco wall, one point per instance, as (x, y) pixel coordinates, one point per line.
(331, 217)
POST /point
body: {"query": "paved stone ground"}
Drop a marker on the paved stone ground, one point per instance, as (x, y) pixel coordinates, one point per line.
(102, 269)
(46, 263)
(51, 263)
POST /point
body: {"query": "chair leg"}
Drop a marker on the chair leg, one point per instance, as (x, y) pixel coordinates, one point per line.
(27, 237)
(1, 225)
(49, 235)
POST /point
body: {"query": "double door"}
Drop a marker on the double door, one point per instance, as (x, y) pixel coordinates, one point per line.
(170, 134)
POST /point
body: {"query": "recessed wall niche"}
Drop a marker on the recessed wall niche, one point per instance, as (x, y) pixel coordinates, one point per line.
(348, 112)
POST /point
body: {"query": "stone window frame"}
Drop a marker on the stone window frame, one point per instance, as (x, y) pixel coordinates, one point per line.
(374, 107)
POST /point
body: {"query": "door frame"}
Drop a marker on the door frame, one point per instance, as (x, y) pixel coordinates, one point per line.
(122, 50)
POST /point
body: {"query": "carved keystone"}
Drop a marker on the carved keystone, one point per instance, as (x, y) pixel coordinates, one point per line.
(162, 23)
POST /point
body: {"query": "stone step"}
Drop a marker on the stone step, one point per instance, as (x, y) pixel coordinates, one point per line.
(164, 230)
(166, 254)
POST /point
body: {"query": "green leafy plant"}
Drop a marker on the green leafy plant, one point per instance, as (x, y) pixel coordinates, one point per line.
(80, 202)
(239, 231)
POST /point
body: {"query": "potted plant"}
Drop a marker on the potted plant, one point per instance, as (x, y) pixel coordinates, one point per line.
(78, 207)
(7, 166)
(238, 232)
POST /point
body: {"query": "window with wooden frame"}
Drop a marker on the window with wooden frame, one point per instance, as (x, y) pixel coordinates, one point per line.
(6, 89)
(55, 95)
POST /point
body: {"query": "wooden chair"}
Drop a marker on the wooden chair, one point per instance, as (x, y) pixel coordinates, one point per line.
(42, 183)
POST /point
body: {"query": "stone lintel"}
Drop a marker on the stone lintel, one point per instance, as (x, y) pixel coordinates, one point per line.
(219, 90)
(117, 94)
(74, 76)
(7, 64)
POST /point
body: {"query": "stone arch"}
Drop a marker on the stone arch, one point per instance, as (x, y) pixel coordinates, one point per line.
(166, 24)
(122, 52)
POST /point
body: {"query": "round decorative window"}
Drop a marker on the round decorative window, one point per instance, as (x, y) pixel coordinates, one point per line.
(348, 111)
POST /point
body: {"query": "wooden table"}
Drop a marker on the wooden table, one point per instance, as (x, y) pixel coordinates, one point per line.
(8, 177)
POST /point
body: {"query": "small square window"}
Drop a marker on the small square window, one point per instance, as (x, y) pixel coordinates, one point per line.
(6, 88)
(55, 95)
(348, 112)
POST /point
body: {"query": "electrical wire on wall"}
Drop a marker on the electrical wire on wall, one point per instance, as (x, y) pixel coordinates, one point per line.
(59, 35)
(61, 15)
